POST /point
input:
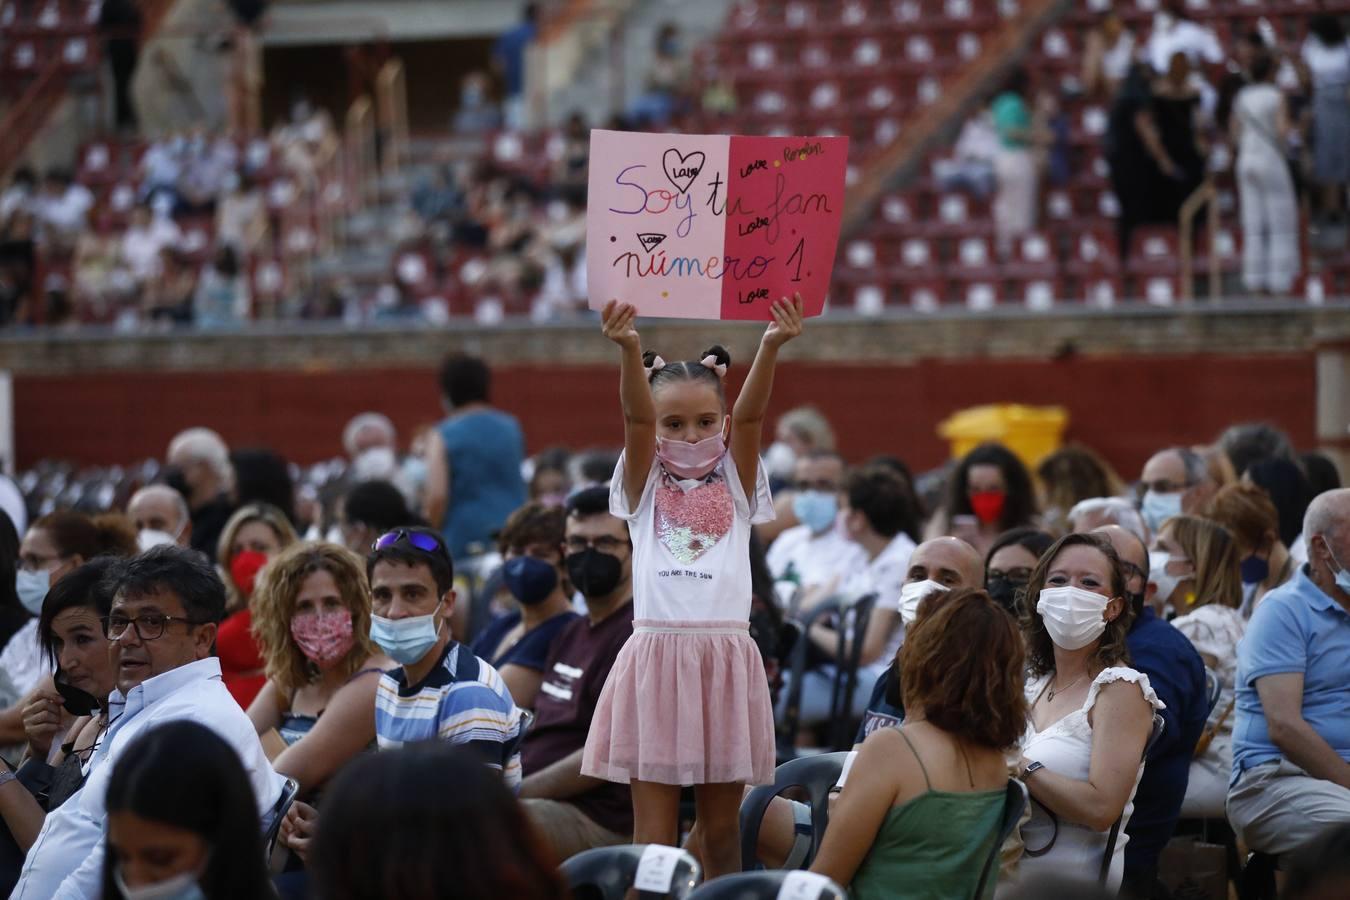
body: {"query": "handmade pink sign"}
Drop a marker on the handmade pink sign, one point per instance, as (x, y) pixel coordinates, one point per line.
(701, 226)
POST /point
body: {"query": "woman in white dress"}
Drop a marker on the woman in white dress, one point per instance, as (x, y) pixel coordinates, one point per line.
(1091, 715)
(1209, 598)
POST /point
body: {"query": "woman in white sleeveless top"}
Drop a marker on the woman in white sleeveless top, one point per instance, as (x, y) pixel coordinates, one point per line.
(1091, 715)
(1269, 208)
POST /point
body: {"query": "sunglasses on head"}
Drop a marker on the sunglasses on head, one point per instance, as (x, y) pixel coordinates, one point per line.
(422, 541)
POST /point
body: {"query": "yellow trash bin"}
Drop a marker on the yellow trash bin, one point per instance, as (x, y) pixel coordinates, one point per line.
(1031, 432)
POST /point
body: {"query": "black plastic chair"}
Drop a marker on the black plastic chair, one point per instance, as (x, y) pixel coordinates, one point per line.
(852, 616)
(767, 886)
(289, 791)
(608, 873)
(817, 775)
(1159, 723)
(1257, 879)
(1014, 804)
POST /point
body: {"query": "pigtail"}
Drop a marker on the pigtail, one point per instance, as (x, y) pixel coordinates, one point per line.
(653, 364)
(719, 354)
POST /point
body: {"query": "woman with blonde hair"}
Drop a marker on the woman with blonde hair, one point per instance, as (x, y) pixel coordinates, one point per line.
(1209, 596)
(254, 534)
(311, 619)
(1071, 474)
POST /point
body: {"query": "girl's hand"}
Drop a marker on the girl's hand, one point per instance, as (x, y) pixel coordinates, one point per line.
(619, 322)
(787, 321)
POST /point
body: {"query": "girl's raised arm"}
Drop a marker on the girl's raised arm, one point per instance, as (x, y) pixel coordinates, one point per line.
(639, 413)
(747, 418)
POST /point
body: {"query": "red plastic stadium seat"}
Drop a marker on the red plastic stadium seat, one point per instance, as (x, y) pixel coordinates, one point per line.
(1038, 294)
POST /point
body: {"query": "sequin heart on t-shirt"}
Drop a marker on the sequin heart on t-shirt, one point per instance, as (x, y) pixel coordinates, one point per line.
(691, 522)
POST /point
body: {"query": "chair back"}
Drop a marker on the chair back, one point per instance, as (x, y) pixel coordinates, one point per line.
(1014, 804)
(609, 873)
(289, 790)
(1159, 723)
(855, 619)
(770, 885)
(1213, 688)
(817, 775)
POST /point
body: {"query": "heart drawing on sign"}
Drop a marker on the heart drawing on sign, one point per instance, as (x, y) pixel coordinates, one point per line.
(682, 168)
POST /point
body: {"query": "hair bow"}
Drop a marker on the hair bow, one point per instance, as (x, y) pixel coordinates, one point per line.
(711, 362)
(657, 365)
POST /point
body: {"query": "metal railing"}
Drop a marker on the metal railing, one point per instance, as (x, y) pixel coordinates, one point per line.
(391, 107)
(1204, 198)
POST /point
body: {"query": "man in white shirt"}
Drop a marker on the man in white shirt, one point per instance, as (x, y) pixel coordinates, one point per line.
(816, 554)
(161, 630)
(144, 240)
(1175, 32)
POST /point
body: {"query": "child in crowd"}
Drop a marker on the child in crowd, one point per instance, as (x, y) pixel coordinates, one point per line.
(688, 701)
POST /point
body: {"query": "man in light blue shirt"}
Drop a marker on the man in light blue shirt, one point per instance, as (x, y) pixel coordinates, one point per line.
(1291, 737)
(167, 605)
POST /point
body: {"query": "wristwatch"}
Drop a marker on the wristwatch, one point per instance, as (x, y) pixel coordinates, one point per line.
(1031, 769)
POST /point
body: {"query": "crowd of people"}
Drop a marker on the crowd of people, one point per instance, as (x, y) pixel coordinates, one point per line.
(463, 666)
(1269, 110)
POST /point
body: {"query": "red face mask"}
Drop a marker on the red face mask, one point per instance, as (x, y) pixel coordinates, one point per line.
(244, 569)
(988, 505)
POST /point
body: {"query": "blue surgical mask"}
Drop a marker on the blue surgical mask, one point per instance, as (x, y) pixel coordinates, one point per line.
(816, 509)
(1158, 508)
(180, 887)
(406, 640)
(32, 588)
(1254, 569)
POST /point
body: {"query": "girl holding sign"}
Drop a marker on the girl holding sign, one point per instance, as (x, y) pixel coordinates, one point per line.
(687, 701)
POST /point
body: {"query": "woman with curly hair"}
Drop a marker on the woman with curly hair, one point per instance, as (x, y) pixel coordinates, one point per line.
(311, 619)
(1091, 714)
(924, 799)
(989, 492)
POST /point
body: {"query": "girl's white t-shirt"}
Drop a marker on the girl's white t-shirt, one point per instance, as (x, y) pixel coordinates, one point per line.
(691, 542)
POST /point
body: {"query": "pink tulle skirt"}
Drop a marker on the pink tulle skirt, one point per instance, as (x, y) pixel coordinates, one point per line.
(686, 703)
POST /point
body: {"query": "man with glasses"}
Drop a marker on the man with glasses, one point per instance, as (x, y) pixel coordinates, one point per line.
(1174, 481)
(166, 606)
(573, 811)
(816, 555)
(1177, 674)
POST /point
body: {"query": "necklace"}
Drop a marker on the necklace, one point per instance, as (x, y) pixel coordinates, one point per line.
(1050, 697)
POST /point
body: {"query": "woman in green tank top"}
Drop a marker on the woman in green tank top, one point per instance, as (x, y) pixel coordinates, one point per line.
(923, 802)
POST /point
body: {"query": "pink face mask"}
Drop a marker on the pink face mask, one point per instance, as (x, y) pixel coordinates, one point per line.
(685, 460)
(325, 638)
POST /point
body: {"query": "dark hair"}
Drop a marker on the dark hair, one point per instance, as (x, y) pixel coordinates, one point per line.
(379, 505)
(1250, 442)
(1263, 67)
(465, 379)
(1321, 867)
(1017, 82)
(1322, 473)
(85, 587)
(404, 553)
(597, 465)
(76, 534)
(1288, 490)
(914, 527)
(1033, 540)
(429, 820)
(262, 476)
(533, 523)
(591, 501)
(1073, 473)
(1327, 28)
(1020, 506)
(186, 573)
(184, 775)
(692, 370)
(880, 496)
(974, 696)
(1113, 650)
(12, 615)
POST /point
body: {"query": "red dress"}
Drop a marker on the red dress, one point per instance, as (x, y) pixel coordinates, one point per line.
(241, 665)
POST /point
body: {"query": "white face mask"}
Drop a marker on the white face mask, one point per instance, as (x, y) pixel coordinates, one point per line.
(913, 593)
(1158, 575)
(180, 887)
(151, 537)
(32, 588)
(1073, 617)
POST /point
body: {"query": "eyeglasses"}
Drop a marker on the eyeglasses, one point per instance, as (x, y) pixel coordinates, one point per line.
(1163, 486)
(427, 543)
(1021, 575)
(149, 627)
(605, 543)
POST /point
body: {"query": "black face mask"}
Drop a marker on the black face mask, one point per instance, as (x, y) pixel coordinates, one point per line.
(593, 573)
(77, 702)
(1003, 591)
(1137, 603)
(173, 477)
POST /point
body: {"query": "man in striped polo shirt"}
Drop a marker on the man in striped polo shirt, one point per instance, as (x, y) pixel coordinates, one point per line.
(441, 691)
